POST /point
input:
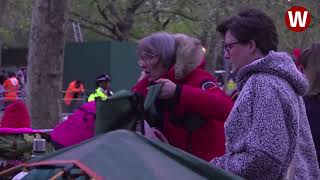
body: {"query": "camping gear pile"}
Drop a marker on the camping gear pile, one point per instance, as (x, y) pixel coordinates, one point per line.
(16, 146)
(121, 154)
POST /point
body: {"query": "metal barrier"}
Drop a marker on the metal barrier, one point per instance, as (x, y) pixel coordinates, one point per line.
(75, 103)
(4, 102)
(66, 110)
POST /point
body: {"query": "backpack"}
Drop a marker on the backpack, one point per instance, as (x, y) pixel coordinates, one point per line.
(123, 110)
(127, 110)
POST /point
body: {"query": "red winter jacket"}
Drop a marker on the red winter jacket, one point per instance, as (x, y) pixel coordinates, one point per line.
(197, 94)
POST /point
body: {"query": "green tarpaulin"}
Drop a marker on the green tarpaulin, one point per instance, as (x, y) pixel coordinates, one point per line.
(123, 155)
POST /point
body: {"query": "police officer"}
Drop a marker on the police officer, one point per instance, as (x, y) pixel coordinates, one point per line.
(103, 90)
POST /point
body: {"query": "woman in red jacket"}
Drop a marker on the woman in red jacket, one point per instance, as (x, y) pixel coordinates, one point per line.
(192, 107)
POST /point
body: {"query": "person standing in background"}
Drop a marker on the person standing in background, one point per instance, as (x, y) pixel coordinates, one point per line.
(2, 90)
(73, 92)
(22, 83)
(103, 88)
(309, 62)
(11, 86)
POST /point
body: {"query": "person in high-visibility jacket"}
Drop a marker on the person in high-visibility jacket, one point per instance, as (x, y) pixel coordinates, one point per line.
(73, 91)
(11, 86)
(103, 90)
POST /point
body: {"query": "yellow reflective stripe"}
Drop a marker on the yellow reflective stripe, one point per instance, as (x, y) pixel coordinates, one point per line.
(101, 94)
(91, 98)
(98, 93)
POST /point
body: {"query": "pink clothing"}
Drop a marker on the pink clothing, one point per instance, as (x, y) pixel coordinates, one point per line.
(18, 130)
(16, 115)
(78, 127)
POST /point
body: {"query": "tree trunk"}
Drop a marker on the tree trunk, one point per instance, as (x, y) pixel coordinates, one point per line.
(45, 61)
(3, 9)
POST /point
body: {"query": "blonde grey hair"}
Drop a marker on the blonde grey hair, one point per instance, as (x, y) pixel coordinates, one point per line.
(161, 44)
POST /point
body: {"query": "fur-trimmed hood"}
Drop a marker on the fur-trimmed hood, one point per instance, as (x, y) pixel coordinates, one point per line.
(189, 55)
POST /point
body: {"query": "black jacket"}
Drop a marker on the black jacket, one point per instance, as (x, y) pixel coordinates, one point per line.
(313, 113)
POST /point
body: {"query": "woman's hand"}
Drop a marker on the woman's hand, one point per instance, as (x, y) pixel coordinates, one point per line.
(168, 89)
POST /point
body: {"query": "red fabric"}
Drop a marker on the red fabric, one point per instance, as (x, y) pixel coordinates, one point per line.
(16, 116)
(213, 105)
(296, 52)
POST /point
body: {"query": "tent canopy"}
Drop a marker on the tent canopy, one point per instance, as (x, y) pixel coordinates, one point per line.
(123, 154)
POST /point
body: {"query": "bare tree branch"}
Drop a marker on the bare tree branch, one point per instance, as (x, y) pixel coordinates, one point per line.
(94, 29)
(100, 10)
(136, 4)
(170, 12)
(180, 14)
(143, 12)
(165, 23)
(113, 12)
(88, 21)
(119, 21)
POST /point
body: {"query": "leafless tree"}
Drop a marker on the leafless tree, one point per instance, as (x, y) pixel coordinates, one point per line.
(45, 61)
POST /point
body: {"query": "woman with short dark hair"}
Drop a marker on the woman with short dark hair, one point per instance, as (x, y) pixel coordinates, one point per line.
(267, 132)
(192, 107)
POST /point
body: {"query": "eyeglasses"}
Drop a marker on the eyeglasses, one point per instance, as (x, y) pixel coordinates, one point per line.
(229, 46)
(145, 58)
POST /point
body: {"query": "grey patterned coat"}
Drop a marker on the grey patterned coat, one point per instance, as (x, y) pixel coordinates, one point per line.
(262, 128)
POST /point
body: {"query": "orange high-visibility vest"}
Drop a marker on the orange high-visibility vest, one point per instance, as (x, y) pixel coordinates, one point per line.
(70, 92)
(11, 86)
